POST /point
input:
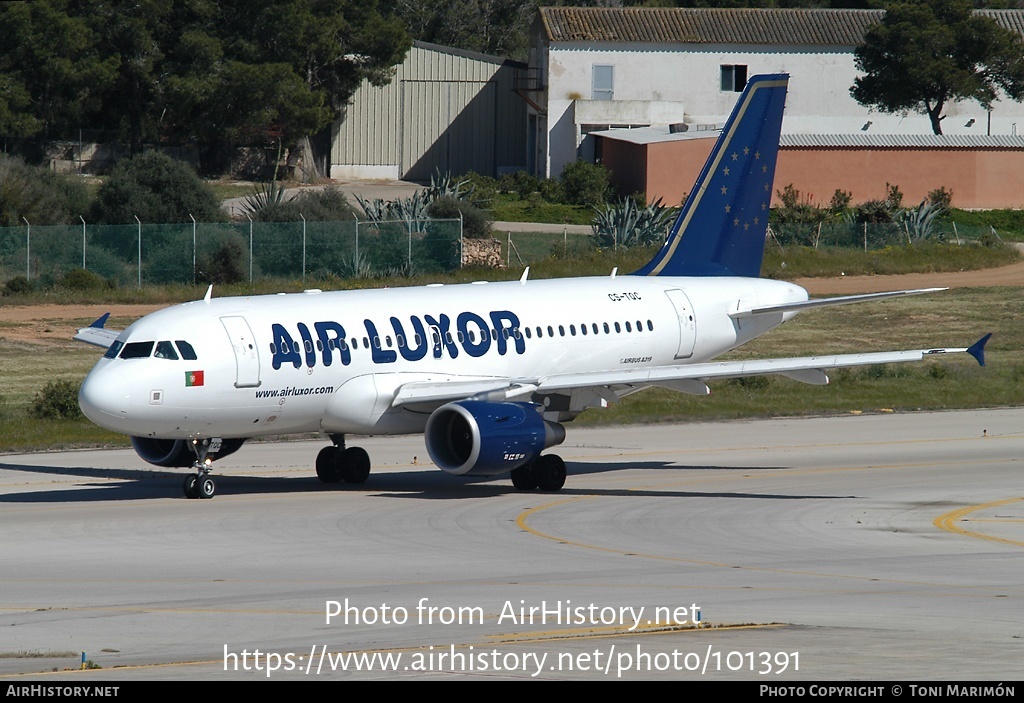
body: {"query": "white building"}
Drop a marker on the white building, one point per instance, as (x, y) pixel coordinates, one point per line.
(593, 69)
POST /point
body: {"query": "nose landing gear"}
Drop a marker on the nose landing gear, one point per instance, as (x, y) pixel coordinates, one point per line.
(200, 484)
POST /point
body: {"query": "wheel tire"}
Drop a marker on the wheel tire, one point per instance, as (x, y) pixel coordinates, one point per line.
(355, 465)
(550, 471)
(525, 477)
(328, 468)
(206, 487)
(190, 486)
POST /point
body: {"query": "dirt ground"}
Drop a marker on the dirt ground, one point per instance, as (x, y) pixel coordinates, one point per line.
(54, 324)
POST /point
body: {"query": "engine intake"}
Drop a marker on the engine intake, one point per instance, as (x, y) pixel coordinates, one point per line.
(177, 452)
(479, 438)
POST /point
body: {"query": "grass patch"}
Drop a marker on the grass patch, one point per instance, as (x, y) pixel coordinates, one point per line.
(1008, 223)
(797, 262)
(509, 208)
(40, 655)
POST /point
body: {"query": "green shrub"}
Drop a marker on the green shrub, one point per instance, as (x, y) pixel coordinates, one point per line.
(227, 264)
(521, 183)
(80, 279)
(484, 189)
(38, 195)
(155, 188)
(17, 286)
(475, 224)
(585, 183)
(314, 204)
(57, 401)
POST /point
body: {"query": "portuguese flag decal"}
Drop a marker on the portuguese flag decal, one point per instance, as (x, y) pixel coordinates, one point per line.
(193, 378)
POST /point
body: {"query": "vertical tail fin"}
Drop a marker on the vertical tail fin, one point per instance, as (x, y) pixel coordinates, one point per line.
(721, 228)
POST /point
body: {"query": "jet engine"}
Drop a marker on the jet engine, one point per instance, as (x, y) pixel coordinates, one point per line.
(480, 438)
(177, 452)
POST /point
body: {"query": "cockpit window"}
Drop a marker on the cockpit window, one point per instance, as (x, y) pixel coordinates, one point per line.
(113, 350)
(137, 350)
(165, 350)
(187, 352)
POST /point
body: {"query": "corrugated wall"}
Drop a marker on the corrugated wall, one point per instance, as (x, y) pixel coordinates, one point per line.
(444, 110)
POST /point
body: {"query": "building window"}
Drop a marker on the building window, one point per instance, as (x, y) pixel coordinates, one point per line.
(734, 78)
(603, 82)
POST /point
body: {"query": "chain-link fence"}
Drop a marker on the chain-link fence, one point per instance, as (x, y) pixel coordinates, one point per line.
(874, 236)
(146, 254)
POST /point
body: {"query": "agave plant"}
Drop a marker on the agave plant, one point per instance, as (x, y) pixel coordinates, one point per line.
(625, 224)
(442, 185)
(921, 223)
(263, 199)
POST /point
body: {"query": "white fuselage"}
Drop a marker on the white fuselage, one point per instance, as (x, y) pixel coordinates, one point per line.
(333, 361)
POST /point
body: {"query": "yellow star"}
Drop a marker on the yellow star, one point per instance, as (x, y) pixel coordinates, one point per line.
(764, 169)
(746, 226)
(746, 150)
(755, 220)
(735, 156)
(725, 172)
(724, 190)
(757, 154)
(736, 221)
(728, 209)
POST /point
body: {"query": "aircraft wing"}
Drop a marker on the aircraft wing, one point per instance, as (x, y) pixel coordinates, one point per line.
(688, 377)
(97, 334)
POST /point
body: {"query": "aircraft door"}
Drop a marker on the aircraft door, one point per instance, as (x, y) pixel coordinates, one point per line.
(687, 323)
(247, 357)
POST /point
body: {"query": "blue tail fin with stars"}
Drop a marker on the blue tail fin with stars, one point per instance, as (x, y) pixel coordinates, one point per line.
(722, 226)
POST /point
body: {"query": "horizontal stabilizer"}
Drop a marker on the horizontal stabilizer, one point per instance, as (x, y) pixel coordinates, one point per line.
(825, 302)
(96, 334)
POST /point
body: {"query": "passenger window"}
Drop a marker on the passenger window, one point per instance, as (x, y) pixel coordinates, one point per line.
(114, 349)
(137, 350)
(165, 350)
(617, 327)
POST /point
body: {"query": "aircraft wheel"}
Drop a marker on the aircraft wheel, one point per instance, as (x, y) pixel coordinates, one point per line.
(355, 465)
(191, 486)
(328, 467)
(550, 471)
(525, 477)
(206, 487)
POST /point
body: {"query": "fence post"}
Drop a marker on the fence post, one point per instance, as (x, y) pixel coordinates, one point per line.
(28, 249)
(193, 249)
(408, 224)
(139, 285)
(462, 243)
(83, 241)
(303, 248)
(250, 248)
(355, 262)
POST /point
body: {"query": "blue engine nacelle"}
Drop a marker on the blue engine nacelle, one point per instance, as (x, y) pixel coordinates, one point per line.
(479, 438)
(177, 452)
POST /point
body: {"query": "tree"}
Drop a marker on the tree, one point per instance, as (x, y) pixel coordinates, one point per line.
(926, 53)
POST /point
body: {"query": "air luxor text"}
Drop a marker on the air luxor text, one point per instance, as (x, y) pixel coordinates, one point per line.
(559, 612)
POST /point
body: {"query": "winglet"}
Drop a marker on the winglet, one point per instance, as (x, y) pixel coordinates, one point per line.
(101, 321)
(977, 350)
(209, 294)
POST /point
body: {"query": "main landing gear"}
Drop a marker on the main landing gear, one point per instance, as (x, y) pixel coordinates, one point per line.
(200, 484)
(546, 472)
(336, 464)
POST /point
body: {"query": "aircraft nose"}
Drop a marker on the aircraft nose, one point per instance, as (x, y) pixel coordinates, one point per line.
(104, 398)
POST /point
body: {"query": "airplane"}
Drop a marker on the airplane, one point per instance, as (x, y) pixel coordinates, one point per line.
(487, 371)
